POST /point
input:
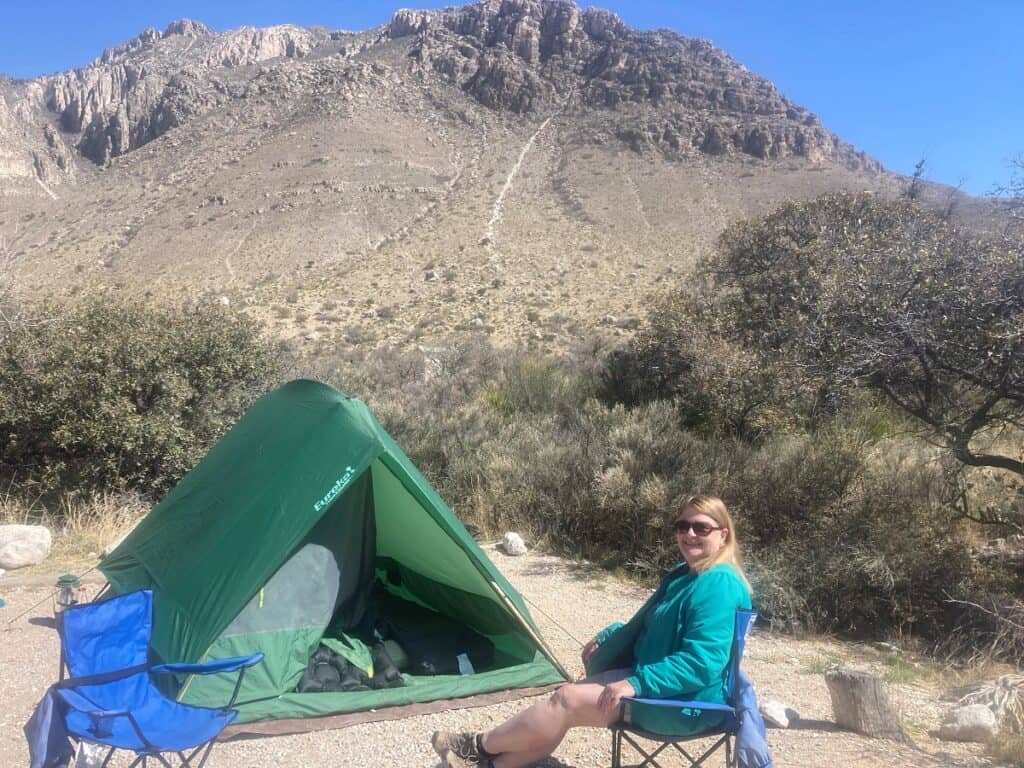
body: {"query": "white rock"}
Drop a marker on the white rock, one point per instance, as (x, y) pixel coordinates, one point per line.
(974, 722)
(22, 545)
(224, 301)
(513, 544)
(776, 714)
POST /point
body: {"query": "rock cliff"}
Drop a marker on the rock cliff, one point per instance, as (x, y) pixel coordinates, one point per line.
(654, 91)
(142, 89)
(660, 90)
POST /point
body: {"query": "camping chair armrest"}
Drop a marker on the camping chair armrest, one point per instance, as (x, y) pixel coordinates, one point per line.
(210, 667)
(236, 664)
(101, 730)
(704, 705)
(77, 701)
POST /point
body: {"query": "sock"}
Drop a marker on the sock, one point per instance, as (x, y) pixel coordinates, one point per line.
(480, 748)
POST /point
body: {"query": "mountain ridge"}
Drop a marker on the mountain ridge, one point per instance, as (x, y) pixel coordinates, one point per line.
(518, 55)
(517, 167)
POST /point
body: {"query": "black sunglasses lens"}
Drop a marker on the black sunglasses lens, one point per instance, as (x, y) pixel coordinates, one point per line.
(699, 529)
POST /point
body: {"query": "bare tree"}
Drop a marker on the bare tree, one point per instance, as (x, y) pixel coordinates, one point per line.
(1013, 192)
(916, 185)
(853, 291)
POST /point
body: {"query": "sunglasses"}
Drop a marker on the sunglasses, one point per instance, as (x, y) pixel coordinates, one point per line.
(699, 529)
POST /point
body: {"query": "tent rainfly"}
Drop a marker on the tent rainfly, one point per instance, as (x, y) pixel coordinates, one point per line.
(272, 536)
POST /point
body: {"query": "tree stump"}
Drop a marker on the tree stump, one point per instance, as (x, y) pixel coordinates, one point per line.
(861, 703)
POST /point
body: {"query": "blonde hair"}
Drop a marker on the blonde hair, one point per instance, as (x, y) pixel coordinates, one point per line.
(715, 508)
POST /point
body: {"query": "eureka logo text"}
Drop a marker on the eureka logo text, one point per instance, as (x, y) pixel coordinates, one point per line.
(332, 494)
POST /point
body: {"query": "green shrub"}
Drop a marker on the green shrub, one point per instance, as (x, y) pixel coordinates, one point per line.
(720, 387)
(107, 396)
(844, 526)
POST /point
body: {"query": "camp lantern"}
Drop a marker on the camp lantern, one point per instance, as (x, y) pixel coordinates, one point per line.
(70, 591)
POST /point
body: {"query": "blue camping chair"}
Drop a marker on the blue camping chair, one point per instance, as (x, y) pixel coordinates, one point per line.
(110, 698)
(726, 730)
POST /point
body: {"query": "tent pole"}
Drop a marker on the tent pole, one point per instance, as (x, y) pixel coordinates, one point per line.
(526, 625)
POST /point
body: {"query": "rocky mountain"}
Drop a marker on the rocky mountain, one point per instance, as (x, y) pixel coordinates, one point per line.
(524, 167)
(524, 56)
(531, 56)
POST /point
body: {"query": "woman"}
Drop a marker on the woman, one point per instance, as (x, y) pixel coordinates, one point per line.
(676, 647)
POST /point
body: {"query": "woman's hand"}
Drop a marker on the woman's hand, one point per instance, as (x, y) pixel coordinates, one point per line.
(588, 651)
(612, 695)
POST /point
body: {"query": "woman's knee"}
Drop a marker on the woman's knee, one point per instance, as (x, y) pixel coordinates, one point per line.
(577, 702)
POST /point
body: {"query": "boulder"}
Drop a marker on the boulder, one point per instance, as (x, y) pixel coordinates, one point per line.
(973, 722)
(513, 544)
(23, 545)
(776, 714)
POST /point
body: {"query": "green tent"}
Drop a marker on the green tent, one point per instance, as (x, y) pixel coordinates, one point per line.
(264, 542)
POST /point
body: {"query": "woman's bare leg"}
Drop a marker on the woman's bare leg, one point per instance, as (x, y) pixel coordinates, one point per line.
(535, 732)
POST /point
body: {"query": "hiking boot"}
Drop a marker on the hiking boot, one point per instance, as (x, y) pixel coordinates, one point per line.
(458, 750)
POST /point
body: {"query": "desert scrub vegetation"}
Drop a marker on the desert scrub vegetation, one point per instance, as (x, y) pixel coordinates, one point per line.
(845, 526)
(844, 307)
(853, 476)
(103, 397)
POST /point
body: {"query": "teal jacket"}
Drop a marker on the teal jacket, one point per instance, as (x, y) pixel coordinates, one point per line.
(678, 646)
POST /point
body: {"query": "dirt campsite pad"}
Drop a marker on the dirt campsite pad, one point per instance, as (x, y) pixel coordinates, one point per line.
(576, 596)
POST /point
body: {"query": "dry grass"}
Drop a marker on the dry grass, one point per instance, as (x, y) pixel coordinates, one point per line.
(81, 527)
(904, 670)
(1008, 749)
(16, 510)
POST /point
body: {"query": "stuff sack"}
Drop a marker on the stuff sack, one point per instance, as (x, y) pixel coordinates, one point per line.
(327, 671)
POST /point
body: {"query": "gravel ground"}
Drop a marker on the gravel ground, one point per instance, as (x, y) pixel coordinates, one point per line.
(579, 598)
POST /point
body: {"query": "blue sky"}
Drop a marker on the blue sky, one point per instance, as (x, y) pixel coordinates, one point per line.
(902, 80)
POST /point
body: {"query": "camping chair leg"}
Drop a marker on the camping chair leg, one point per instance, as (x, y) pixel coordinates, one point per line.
(649, 758)
(616, 749)
(697, 762)
(689, 758)
(106, 760)
(186, 762)
(652, 757)
(728, 752)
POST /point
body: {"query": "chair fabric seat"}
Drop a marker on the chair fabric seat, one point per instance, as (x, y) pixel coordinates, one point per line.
(673, 720)
(652, 736)
(166, 724)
